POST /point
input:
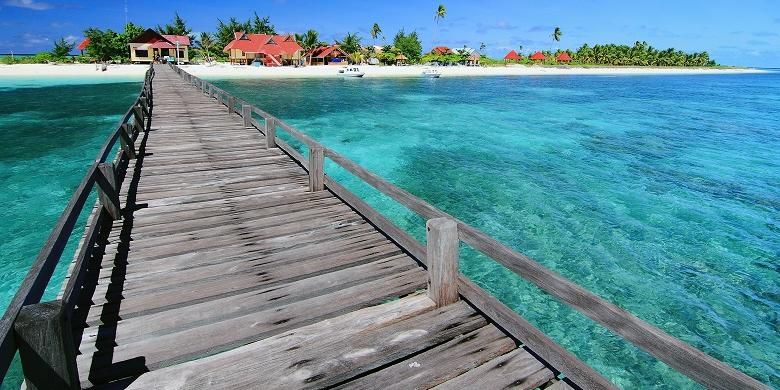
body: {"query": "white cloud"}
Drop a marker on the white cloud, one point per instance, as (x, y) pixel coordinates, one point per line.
(30, 40)
(29, 4)
(71, 39)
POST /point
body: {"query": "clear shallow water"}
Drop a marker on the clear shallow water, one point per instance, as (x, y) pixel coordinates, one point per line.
(48, 137)
(661, 194)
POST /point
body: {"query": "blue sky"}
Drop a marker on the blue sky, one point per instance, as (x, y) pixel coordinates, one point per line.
(743, 32)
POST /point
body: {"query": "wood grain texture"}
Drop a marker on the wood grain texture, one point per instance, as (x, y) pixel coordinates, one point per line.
(442, 257)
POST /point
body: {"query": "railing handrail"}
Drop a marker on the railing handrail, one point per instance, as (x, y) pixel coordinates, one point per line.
(34, 284)
(681, 356)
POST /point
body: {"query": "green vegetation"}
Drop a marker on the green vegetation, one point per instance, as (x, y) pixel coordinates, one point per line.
(641, 54)
(409, 45)
(178, 27)
(110, 45)
(62, 48)
(350, 43)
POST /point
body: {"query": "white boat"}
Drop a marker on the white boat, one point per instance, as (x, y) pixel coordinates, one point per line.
(431, 73)
(351, 71)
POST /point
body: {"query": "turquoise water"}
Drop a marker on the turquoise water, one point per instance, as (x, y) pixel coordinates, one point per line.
(658, 193)
(661, 194)
(48, 136)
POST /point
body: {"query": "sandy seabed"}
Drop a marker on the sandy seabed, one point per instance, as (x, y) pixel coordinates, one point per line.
(225, 71)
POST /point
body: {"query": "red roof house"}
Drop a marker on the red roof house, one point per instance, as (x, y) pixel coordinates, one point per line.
(563, 57)
(327, 55)
(150, 44)
(513, 56)
(271, 50)
(442, 50)
(538, 56)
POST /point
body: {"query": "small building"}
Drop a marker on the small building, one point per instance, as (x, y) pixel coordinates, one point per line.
(441, 50)
(538, 56)
(400, 59)
(269, 50)
(327, 55)
(563, 57)
(150, 44)
(512, 56)
(473, 59)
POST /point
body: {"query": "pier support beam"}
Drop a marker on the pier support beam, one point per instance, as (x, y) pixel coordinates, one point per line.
(108, 193)
(246, 113)
(45, 340)
(442, 255)
(231, 102)
(270, 133)
(316, 169)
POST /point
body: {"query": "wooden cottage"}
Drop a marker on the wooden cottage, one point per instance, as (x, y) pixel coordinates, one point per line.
(150, 44)
(269, 50)
(327, 55)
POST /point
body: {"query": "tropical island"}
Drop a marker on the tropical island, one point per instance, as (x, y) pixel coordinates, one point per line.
(233, 43)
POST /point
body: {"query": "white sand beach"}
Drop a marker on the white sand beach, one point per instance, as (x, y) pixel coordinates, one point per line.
(225, 71)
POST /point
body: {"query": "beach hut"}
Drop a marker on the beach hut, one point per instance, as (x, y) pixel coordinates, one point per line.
(538, 56)
(473, 59)
(327, 55)
(563, 57)
(441, 50)
(268, 50)
(512, 56)
(400, 59)
(149, 44)
(83, 45)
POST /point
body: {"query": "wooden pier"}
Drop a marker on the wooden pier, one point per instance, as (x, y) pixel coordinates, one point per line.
(218, 256)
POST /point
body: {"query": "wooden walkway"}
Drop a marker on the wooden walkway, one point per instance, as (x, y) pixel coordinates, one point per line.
(218, 256)
(227, 272)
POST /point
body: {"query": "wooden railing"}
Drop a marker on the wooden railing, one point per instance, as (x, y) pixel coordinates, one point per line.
(684, 358)
(41, 332)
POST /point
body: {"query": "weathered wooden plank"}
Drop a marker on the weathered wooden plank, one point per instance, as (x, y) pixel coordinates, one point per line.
(222, 371)
(521, 329)
(440, 363)
(517, 370)
(167, 349)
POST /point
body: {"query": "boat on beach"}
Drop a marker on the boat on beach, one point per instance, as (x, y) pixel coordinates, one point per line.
(431, 73)
(351, 71)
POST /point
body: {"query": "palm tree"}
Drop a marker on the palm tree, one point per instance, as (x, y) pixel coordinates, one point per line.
(206, 42)
(556, 35)
(350, 43)
(482, 47)
(441, 13)
(308, 41)
(376, 31)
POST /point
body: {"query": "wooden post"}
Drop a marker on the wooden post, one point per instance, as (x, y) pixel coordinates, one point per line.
(442, 255)
(211, 92)
(144, 105)
(128, 146)
(45, 341)
(316, 169)
(246, 112)
(108, 193)
(231, 101)
(270, 133)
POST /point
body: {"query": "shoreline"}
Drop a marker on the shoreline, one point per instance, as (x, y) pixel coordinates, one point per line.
(226, 71)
